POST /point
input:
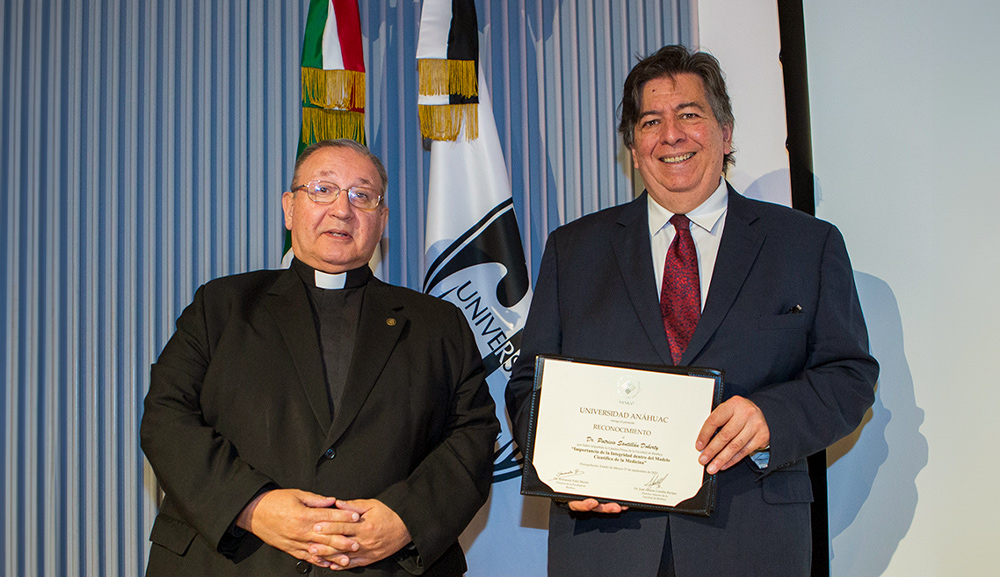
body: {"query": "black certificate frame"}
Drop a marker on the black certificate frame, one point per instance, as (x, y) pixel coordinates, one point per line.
(701, 504)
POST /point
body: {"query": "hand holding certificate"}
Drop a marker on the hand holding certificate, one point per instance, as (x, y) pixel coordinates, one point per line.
(622, 434)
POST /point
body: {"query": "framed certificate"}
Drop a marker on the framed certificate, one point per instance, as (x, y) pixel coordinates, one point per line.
(621, 433)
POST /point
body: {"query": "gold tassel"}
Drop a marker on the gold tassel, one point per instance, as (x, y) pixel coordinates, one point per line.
(321, 124)
(342, 89)
(438, 76)
(444, 122)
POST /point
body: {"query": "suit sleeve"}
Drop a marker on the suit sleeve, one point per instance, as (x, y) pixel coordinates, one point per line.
(442, 495)
(200, 470)
(830, 396)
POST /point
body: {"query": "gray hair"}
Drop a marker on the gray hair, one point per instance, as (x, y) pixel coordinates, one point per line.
(342, 143)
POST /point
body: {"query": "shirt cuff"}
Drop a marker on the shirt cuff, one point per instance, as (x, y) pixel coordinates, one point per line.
(761, 457)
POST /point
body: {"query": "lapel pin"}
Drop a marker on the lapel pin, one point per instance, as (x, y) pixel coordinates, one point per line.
(390, 321)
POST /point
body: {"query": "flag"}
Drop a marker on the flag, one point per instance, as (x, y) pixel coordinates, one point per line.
(333, 73)
(333, 82)
(474, 253)
(447, 69)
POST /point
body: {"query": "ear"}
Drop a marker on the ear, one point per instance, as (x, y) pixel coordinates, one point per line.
(727, 138)
(383, 219)
(287, 202)
(635, 162)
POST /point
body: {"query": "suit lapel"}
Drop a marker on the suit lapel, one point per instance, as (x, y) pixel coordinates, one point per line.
(740, 245)
(631, 246)
(288, 303)
(380, 325)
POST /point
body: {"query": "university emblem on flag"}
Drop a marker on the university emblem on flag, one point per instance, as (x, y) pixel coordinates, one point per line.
(472, 245)
(483, 273)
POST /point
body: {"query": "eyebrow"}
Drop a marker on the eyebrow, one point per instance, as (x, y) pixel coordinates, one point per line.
(689, 105)
(680, 106)
(329, 174)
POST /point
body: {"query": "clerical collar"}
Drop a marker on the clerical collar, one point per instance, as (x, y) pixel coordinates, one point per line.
(353, 278)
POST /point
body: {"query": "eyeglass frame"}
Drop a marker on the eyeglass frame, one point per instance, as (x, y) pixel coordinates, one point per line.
(333, 185)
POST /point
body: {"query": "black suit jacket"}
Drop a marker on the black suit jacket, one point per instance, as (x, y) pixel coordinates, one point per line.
(810, 373)
(238, 402)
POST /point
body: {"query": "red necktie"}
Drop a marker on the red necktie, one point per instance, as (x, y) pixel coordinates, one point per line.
(680, 296)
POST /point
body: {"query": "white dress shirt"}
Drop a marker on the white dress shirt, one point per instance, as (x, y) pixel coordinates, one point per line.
(707, 223)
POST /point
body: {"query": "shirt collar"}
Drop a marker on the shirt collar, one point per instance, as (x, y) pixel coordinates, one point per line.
(316, 278)
(706, 215)
(326, 280)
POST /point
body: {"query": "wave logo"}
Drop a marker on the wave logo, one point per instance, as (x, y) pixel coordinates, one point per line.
(483, 273)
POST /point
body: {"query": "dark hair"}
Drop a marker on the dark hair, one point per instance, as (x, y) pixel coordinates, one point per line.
(668, 62)
(342, 143)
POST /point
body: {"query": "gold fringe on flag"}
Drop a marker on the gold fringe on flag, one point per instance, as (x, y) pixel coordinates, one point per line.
(438, 76)
(444, 122)
(343, 89)
(321, 124)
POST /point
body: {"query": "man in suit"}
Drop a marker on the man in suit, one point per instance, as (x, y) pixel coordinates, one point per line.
(692, 273)
(316, 416)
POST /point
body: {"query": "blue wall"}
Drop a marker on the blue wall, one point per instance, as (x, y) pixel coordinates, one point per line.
(144, 146)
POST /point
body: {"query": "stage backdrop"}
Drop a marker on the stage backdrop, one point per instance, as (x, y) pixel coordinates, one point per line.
(144, 145)
(904, 99)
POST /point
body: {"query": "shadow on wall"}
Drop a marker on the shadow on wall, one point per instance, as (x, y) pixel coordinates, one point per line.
(872, 472)
(775, 186)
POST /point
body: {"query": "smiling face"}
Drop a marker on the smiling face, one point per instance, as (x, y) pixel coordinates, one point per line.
(678, 143)
(334, 237)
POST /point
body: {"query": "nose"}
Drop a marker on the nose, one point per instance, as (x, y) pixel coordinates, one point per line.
(671, 132)
(341, 206)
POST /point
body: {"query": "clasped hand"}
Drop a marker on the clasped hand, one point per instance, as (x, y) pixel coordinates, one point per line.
(326, 531)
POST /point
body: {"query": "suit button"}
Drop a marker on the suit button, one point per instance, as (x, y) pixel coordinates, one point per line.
(303, 567)
(330, 453)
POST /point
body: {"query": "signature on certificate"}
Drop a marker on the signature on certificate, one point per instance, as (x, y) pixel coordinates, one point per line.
(562, 475)
(655, 482)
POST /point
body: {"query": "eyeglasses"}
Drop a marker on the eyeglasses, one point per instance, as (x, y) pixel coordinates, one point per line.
(323, 192)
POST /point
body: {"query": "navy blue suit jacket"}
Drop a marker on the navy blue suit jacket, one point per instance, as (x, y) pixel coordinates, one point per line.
(809, 372)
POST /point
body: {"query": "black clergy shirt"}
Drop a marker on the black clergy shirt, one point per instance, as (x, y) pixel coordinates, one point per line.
(336, 313)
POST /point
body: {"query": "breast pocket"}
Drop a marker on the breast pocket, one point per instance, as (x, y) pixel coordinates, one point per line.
(786, 321)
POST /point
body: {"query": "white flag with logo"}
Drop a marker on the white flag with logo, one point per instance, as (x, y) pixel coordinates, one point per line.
(475, 260)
